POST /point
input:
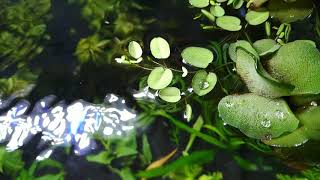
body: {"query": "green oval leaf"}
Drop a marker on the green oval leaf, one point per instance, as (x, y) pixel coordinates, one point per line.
(229, 23)
(203, 82)
(257, 17)
(297, 63)
(159, 78)
(217, 11)
(160, 48)
(199, 3)
(170, 94)
(197, 56)
(135, 49)
(256, 116)
(266, 46)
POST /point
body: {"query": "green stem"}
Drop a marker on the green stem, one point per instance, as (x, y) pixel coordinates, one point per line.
(184, 127)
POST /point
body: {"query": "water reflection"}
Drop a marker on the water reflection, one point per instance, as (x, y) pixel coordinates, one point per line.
(64, 125)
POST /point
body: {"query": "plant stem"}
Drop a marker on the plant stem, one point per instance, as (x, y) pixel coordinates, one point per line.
(184, 127)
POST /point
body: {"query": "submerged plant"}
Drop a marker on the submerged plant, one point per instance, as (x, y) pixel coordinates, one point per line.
(113, 22)
(23, 31)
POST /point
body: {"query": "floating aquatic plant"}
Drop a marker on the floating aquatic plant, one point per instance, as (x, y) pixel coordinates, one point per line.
(285, 75)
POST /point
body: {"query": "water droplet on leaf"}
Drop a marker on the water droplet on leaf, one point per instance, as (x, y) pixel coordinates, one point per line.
(266, 123)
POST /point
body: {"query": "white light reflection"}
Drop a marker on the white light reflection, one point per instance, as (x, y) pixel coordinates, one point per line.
(65, 125)
(145, 93)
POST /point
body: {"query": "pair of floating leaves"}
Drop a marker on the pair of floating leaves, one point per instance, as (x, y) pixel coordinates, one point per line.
(197, 56)
(256, 116)
(159, 47)
(203, 82)
(229, 23)
(257, 17)
(159, 79)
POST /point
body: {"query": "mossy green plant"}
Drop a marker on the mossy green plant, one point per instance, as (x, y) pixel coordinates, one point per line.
(290, 63)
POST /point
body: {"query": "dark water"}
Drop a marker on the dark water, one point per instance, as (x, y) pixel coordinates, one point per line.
(61, 77)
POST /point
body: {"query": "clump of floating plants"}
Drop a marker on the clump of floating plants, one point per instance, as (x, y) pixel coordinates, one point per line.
(272, 72)
(161, 78)
(256, 12)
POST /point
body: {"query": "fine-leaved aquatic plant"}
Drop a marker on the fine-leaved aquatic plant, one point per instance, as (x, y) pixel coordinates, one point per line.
(113, 23)
(23, 31)
(18, 82)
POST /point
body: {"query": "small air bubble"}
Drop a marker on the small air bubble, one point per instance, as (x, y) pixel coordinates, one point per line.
(204, 85)
(266, 123)
(313, 103)
(280, 115)
(229, 105)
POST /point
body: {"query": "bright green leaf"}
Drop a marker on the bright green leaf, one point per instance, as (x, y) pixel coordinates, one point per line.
(188, 112)
(203, 82)
(160, 48)
(196, 126)
(297, 63)
(146, 149)
(217, 11)
(296, 138)
(159, 78)
(256, 116)
(197, 56)
(237, 4)
(135, 49)
(170, 94)
(243, 44)
(199, 3)
(266, 46)
(229, 23)
(103, 157)
(310, 117)
(257, 17)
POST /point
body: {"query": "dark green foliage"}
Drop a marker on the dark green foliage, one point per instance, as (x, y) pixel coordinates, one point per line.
(23, 30)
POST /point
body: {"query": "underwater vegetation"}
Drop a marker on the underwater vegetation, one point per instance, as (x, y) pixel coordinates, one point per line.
(196, 89)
